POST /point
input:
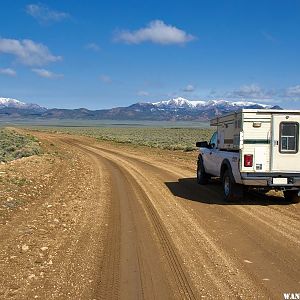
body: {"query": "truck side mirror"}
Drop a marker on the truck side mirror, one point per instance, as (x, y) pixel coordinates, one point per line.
(202, 144)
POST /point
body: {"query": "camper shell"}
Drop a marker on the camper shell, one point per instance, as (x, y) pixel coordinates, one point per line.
(259, 147)
(271, 136)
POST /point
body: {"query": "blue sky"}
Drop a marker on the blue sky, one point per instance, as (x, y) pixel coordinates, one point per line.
(100, 54)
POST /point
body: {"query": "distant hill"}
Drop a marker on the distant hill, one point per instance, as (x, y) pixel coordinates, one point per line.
(177, 109)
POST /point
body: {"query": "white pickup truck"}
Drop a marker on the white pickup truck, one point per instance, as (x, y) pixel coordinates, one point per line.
(254, 148)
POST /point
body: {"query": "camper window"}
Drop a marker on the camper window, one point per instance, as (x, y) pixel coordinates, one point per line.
(289, 135)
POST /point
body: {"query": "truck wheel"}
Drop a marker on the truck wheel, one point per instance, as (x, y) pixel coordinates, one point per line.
(231, 190)
(202, 177)
(291, 196)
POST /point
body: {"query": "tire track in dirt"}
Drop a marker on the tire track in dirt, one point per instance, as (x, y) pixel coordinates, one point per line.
(282, 226)
(292, 213)
(182, 282)
(106, 285)
(225, 279)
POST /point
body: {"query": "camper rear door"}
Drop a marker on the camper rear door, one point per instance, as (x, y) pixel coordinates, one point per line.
(285, 154)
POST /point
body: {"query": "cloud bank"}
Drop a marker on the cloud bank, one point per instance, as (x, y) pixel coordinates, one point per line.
(252, 91)
(293, 91)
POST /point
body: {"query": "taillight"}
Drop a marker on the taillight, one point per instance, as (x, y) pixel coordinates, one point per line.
(248, 160)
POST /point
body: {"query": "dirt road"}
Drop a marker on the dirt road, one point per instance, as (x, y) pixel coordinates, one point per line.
(117, 222)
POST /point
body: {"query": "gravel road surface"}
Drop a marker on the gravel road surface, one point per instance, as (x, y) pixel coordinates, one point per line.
(99, 220)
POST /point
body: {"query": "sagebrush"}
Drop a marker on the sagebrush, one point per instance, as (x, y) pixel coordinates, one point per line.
(164, 138)
(14, 145)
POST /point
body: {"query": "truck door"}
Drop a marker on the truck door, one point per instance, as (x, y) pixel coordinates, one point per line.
(210, 157)
(285, 154)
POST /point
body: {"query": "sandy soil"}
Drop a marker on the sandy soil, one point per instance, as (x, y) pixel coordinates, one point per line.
(98, 220)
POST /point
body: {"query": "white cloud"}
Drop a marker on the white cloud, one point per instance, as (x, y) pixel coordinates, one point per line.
(8, 71)
(44, 14)
(28, 52)
(293, 91)
(156, 32)
(93, 47)
(105, 78)
(47, 74)
(189, 88)
(143, 93)
(252, 91)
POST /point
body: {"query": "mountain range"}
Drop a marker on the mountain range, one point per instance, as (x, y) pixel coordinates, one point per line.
(176, 109)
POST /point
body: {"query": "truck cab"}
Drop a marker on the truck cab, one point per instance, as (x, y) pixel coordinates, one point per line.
(211, 156)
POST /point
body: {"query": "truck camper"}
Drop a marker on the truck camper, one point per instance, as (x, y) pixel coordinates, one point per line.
(257, 148)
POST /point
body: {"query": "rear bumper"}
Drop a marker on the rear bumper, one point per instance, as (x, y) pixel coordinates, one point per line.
(267, 179)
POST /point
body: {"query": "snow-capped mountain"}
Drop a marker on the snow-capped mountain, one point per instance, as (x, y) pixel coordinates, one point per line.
(13, 103)
(180, 102)
(177, 109)
(9, 102)
(182, 109)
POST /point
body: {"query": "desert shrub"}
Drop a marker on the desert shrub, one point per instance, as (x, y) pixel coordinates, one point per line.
(14, 145)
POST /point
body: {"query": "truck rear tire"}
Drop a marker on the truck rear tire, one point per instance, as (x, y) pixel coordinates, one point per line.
(202, 177)
(231, 190)
(291, 196)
